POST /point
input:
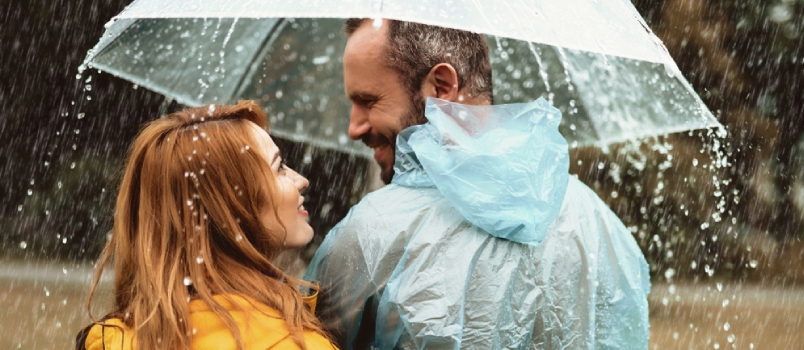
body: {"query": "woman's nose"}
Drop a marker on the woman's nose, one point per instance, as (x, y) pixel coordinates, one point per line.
(299, 181)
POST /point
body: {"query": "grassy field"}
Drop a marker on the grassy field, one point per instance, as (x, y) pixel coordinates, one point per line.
(43, 306)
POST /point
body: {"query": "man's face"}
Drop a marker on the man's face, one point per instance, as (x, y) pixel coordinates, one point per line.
(381, 106)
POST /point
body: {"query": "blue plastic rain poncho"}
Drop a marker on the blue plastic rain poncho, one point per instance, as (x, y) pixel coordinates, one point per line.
(483, 241)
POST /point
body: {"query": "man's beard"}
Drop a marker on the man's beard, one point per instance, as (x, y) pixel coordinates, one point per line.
(414, 115)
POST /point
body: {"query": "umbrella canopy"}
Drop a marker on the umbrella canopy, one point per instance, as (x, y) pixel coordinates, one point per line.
(596, 61)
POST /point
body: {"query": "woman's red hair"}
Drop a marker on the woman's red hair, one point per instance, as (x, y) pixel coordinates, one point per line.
(187, 226)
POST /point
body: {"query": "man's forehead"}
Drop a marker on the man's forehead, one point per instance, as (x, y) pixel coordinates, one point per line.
(367, 41)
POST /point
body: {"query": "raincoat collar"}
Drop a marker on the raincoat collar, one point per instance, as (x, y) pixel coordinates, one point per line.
(503, 167)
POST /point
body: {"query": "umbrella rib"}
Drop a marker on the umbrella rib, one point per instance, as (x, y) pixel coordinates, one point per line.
(271, 37)
(88, 61)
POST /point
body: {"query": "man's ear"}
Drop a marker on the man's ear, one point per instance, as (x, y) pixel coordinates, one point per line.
(442, 82)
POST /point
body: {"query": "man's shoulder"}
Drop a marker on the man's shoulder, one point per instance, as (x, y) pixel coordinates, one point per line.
(392, 201)
(584, 212)
(582, 200)
(384, 214)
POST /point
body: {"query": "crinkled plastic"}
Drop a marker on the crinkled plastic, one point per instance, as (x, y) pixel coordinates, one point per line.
(508, 157)
(406, 269)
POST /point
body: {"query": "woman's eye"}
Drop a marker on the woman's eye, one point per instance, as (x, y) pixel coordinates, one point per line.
(282, 165)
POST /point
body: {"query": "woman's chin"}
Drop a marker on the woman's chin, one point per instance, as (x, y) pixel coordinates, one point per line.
(303, 236)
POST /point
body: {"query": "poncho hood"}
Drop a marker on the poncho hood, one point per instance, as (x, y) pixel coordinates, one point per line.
(503, 167)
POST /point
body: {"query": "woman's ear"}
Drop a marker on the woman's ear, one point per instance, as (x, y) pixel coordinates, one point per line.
(442, 82)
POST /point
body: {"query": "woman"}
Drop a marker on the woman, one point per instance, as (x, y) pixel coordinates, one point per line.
(205, 205)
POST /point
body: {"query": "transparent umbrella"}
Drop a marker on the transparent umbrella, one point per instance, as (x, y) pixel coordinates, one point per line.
(596, 61)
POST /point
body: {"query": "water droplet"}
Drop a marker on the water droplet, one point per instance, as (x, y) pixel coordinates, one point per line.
(730, 338)
(669, 273)
(719, 287)
(239, 237)
(726, 326)
(188, 281)
(80, 115)
(753, 264)
(30, 191)
(199, 260)
(694, 162)
(725, 302)
(377, 23)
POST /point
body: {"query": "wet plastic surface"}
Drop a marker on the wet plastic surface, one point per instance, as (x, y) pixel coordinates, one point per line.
(405, 268)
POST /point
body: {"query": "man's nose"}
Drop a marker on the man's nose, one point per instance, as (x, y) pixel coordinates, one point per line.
(358, 123)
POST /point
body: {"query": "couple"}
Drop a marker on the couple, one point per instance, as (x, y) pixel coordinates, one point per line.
(206, 204)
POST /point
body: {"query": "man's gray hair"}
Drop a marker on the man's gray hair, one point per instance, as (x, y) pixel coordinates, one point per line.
(413, 49)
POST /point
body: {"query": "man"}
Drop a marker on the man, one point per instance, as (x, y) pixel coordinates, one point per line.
(405, 269)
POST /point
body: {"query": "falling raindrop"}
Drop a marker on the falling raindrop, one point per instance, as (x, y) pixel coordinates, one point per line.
(187, 281)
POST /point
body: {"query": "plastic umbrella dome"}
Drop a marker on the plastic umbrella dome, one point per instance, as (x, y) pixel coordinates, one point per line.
(596, 61)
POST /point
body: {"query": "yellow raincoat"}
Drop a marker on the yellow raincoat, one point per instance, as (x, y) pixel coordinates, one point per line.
(261, 327)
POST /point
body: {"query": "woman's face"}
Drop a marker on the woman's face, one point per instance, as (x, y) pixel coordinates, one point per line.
(290, 202)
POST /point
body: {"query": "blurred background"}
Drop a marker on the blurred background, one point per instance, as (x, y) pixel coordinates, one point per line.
(719, 218)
